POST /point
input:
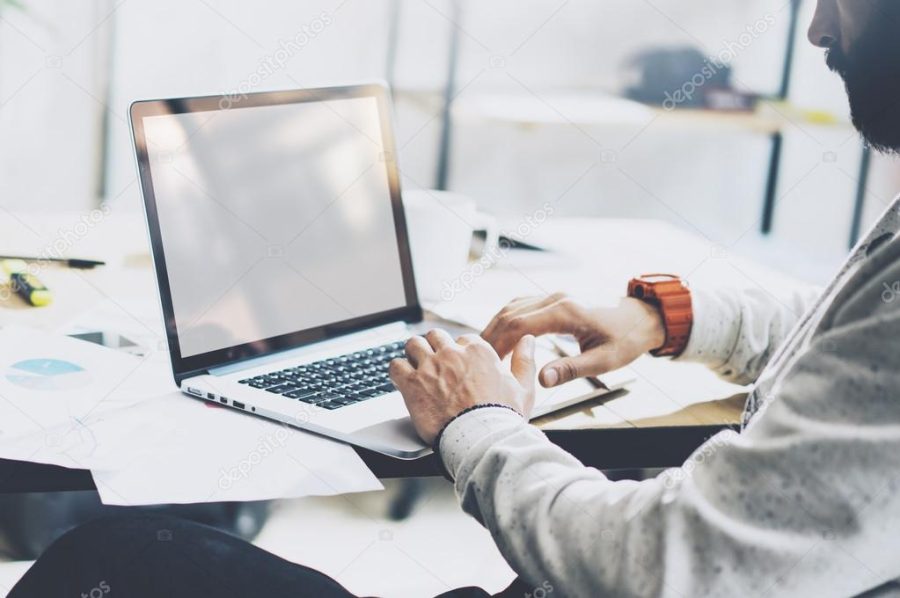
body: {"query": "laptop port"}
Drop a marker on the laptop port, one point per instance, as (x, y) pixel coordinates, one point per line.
(223, 400)
(210, 396)
(237, 404)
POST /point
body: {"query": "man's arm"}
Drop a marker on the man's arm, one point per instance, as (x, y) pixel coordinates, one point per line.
(805, 500)
(736, 332)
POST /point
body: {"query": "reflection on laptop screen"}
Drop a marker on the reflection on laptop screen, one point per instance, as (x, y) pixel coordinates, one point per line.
(274, 219)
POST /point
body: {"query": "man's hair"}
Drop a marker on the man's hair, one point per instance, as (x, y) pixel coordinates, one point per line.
(871, 73)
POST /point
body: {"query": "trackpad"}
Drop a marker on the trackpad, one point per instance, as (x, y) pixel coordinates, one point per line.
(395, 437)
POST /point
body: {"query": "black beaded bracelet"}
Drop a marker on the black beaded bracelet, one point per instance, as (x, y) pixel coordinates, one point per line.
(436, 445)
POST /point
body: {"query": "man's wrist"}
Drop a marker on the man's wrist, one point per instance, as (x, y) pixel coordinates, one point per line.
(437, 439)
(653, 327)
(466, 429)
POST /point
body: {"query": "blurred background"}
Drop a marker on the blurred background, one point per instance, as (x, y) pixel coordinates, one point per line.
(514, 103)
(717, 117)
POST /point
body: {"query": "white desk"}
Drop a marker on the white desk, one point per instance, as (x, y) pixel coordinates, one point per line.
(592, 260)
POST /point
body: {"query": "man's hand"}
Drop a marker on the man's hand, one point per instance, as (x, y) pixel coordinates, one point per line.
(609, 337)
(441, 377)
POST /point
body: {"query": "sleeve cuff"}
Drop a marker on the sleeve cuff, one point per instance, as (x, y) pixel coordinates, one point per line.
(715, 330)
(472, 433)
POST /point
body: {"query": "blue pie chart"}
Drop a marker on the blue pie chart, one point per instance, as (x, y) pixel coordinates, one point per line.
(47, 374)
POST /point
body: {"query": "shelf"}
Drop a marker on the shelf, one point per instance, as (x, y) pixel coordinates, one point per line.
(598, 109)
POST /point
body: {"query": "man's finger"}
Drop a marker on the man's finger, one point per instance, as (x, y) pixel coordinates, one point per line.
(469, 339)
(519, 307)
(400, 370)
(417, 349)
(516, 306)
(568, 369)
(522, 363)
(438, 339)
(550, 319)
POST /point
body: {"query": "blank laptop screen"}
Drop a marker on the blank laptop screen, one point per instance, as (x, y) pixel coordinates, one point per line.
(274, 219)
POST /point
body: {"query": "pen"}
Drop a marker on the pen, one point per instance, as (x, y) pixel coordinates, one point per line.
(80, 264)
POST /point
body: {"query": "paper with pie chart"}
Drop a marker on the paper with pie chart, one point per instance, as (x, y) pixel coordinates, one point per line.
(52, 387)
(46, 374)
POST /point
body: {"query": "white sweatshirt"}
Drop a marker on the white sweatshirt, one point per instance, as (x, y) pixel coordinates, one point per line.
(804, 502)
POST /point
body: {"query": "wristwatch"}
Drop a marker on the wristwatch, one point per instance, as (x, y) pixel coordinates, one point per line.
(671, 296)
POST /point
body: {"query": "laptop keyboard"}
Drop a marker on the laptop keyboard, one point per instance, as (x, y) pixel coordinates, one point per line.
(336, 382)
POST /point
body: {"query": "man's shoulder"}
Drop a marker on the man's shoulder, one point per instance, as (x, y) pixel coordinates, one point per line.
(873, 291)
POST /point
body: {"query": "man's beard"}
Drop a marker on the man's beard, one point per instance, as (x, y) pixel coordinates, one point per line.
(871, 73)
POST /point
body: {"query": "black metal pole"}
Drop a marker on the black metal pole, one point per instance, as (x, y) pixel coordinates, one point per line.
(443, 165)
(859, 205)
(788, 68)
(104, 162)
(784, 89)
(768, 215)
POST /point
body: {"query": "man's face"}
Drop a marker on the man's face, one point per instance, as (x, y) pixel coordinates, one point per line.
(863, 47)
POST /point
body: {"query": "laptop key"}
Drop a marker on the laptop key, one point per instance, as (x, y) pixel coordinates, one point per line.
(312, 399)
(335, 382)
(281, 388)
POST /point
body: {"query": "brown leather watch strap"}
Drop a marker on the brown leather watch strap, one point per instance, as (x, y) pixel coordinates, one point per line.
(671, 296)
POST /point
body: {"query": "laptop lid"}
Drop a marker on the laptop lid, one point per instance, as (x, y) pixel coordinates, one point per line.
(275, 220)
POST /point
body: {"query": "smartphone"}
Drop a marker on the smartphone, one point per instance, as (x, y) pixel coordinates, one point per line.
(112, 340)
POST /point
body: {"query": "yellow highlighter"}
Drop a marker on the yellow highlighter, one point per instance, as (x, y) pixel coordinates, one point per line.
(26, 285)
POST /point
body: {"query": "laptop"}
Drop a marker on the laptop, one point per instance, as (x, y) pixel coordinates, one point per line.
(282, 256)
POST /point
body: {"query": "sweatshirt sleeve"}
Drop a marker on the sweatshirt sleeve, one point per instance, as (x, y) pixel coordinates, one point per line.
(806, 501)
(736, 332)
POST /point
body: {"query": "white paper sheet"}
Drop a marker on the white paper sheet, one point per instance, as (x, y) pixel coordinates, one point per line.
(53, 389)
(191, 452)
(76, 404)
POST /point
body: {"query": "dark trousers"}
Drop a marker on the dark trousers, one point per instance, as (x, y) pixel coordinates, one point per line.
(156, 556)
